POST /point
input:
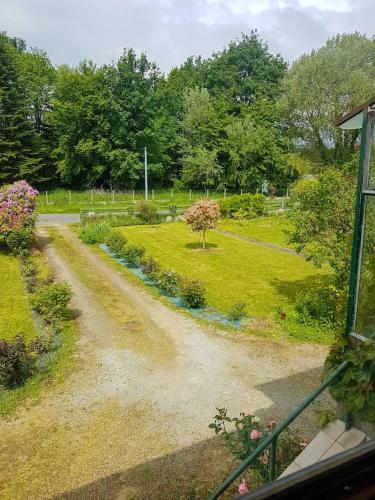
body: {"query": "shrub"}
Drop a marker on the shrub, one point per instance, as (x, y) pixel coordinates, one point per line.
(30, 274)
(169, 281)
(132, 254)
(172, 210)
(130, 210)
(244, 434)
(150, 266)
(44, 343)
(237, 311)
(94, 232)
(51, 301)
(16, 361)
(203, 215)
(17, 207)
(319, 305)
(19, 240)
(244, 206)
(115, 241)
(147, 211)
(192, 292)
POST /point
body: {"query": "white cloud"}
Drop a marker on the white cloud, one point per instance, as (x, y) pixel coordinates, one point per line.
(170, 30)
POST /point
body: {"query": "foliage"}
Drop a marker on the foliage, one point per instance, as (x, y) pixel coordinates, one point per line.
(237, 311)
(321, 210)
(94, 232)
(150, 267)
(324, 416)
(243, 434)
(169, 281)
(172, 210)
(19, 240)
(355, 388)
(52, 300)
(115, 241)
(16, 361)
(132, 254)
(17, 207)
(22, 154)
(147, 211)
(320, 304)
(326, 84)
(203, 215)
(244, 206)
(192, 292)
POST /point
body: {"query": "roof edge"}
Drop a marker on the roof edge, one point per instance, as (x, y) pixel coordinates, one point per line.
(358, 109)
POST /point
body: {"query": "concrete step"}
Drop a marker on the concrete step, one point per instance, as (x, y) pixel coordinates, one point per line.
(333, 439)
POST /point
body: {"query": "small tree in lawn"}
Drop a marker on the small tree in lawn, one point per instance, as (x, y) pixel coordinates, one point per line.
(201, 216)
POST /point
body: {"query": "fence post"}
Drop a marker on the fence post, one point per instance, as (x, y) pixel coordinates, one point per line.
(92, 196)
(171, 194)
(225, 192)
(152, 194)
(113, 196)
(287, 192)
(70, 196)
(241, 190)
(46, 197)
(133, 195)
(208, 193)
(273, 459)
(190, 194)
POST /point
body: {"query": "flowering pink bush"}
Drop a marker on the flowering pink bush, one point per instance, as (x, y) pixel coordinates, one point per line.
(203, 215)
(17, 207)
(255, 435)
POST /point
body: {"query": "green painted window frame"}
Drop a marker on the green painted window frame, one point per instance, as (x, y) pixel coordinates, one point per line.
(362, 195)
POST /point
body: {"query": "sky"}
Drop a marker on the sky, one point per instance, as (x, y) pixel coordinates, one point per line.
(171, 30)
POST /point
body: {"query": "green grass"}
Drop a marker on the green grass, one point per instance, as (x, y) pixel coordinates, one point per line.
(272, 229)
(16, 317)
(15, 312)
(60, 201)
(232, 270)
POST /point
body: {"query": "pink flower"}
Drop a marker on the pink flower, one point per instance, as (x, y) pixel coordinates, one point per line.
(255, 435)
(304, 443)
(243, 488)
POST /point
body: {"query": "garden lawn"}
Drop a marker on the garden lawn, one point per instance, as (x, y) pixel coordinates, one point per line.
(15, 311)
(272, 229)
(232, 270)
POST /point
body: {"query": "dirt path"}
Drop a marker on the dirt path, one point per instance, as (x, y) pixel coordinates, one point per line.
(138, 405)
(256, 242)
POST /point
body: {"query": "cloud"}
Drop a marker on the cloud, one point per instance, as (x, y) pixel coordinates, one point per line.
(171, 30)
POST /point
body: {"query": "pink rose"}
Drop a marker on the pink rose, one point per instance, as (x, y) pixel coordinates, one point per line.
(255, 435)
(243, 488)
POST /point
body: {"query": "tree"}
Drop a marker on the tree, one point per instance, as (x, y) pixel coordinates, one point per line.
(324, 85)
(201, 216)
(20, 155)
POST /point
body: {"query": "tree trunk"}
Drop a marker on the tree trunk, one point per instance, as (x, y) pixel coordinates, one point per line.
(204, 239)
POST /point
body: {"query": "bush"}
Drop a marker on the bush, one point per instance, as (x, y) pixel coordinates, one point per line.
(318, 305)
(192, 292)
(16, 361)
(147, 211)
(94, 232)
(132, 254)
(237, 311)
(44, 343)
(243, 435)
(150, 266)
(244, 206)
(51, 301)
(172, 210)
(19, 240)
(30, 274)
(169, 281)
(115, 241)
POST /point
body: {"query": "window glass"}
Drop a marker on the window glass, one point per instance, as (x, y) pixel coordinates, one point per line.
(365, 324)
(371, 177)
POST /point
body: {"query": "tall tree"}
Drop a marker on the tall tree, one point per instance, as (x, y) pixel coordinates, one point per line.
(323, 85)
(20, 156)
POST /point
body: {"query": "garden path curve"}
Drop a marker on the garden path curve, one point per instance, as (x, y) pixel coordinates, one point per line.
(145, 387)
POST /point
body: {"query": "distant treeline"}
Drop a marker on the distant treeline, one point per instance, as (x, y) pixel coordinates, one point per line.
(231, 120)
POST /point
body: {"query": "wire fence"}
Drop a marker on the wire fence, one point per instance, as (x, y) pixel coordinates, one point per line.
(97, 197)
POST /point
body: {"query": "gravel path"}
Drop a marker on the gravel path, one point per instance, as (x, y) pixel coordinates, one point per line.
(133, 416)
(57, 219)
